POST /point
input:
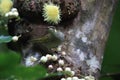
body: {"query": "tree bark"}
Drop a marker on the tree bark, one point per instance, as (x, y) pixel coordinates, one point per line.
(85, 36)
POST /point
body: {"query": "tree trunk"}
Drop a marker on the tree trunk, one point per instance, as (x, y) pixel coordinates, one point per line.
(85, 36)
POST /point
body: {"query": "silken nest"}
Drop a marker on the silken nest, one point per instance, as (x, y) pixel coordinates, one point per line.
(37, 10)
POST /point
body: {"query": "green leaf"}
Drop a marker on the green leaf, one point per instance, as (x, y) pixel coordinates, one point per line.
(24, 73)
(10, 68)
(106, 78)
(5, 39)
(8, 60)
(30, 73)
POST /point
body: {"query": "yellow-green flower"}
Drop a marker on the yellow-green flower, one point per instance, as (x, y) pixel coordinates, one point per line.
(5, 6)
(51, 13)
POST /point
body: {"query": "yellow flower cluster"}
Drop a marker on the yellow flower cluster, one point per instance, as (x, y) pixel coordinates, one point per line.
(5, 6)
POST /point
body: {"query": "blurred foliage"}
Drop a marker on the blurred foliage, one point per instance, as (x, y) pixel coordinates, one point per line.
(5, 39)
(111, 61)
(5, 6)
(11, 69)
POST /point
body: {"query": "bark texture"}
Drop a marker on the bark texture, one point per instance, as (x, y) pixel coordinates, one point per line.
(85, 36)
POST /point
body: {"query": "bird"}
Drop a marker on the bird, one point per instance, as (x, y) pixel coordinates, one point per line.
(51, 40)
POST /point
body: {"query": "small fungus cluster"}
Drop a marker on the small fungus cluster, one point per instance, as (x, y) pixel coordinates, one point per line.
(76, 78)
(15, 38)
(12, 14)
(51, 60)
